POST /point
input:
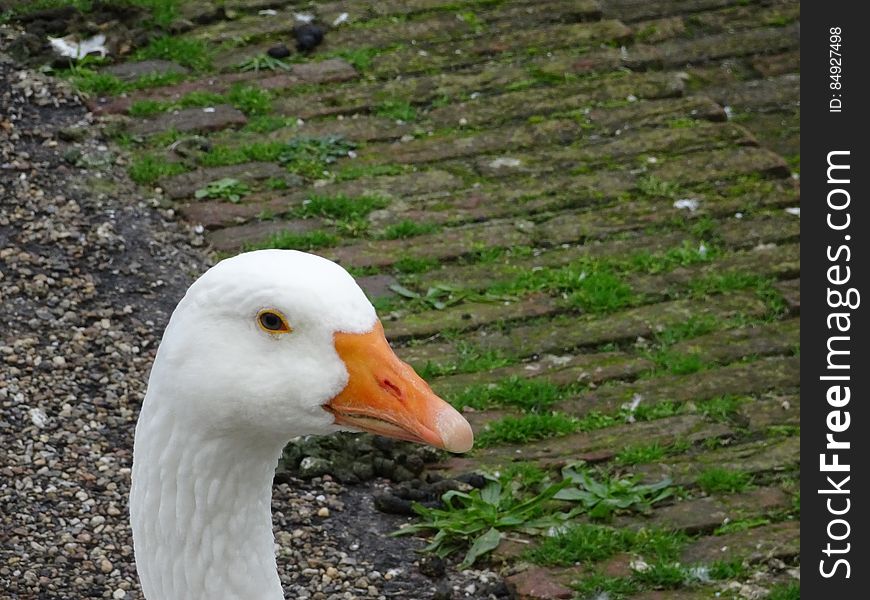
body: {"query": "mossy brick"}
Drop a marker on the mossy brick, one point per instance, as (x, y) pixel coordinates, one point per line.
(759, 544)
(791, 293)
(574, 226)
(453, 55)
(360, 128)
(200, 119)
(605, 443)
(748, 232)
(186, 184)
(437, 246)
(636, 10)
(524, 197)
(357, 128)
(478, 276)
(657, 142)
(737, 379)
(443, 147)
(238, 236)
(716, 164)
(215, 214)
(539, 583)
(677, 53)
(777, 64)
(768, 456)
(775, 130)
(570, 63)
(377, 286)
(326, 71)
(488, 108)
(653, 31)
(565, 333)
(775, 409)
(765, 339)
(733, 233)
(653, 287)
(703, 515)
(200, 11)
(470, 315)
(654, 113)
(133, 70)
(419, 89)
(774, 93)
(744, 16)
(777, 261)
(443, 26)
(594, 368)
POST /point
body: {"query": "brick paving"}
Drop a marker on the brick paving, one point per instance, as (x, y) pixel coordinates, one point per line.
(537, 136)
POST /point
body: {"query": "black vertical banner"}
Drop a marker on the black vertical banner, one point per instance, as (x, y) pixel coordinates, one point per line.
(835, 421)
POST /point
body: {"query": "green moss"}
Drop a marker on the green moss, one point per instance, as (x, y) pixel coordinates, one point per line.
(410, 265)
(722, 408)
(741, 525)
(718, 479)
(250, 99)
(406, 229)
(191, 53)
(361, 58)
(398, 110)
(601, 291)
(785, 591)
(351, 171)
(265, 123)
(728, 569)
(145, 108)
(585, 543)
(527, 474)
(528, 394)
(597, 585)
(468, 359)
(662, 575)
(526, 428)
(644, 453)
(653, 187)
(147, 168)
(341, 206)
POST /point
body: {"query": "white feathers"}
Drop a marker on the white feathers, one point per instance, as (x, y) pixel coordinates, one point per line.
(71, 48)
(690, 204)
(223, 398)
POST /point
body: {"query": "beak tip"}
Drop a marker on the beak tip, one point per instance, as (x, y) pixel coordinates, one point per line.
(456, 434)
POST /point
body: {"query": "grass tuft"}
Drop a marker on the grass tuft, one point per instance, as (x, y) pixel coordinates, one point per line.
(718, 479)
(406, 229)
(191, 53)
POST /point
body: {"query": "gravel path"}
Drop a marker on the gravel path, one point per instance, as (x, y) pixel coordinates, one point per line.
(89, 271)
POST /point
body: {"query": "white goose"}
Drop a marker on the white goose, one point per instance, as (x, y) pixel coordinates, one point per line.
(264, 347)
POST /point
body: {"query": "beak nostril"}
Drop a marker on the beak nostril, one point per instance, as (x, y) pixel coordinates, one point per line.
(391, 387)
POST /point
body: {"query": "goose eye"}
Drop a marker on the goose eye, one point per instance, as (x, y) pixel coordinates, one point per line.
(272, 321)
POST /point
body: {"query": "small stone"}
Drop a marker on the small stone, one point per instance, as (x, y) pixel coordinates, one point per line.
(323, 512)
(279, 51)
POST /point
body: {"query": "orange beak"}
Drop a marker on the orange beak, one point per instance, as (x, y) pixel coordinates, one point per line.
(385, 396)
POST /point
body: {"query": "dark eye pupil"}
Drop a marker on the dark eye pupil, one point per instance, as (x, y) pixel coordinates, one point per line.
(271, 321)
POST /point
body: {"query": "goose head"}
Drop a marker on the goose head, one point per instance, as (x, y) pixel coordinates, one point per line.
(274, 344)
(264, 347)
